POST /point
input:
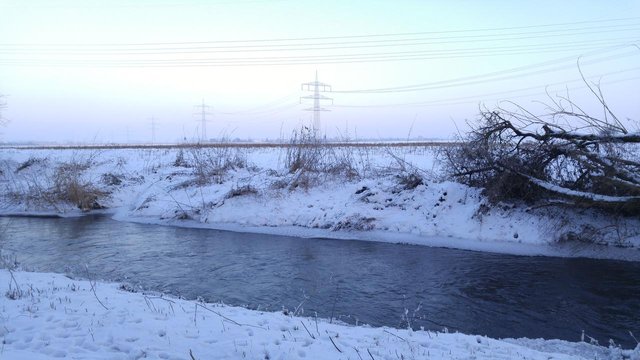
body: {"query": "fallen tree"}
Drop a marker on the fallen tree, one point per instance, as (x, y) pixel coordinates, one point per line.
(564, 156)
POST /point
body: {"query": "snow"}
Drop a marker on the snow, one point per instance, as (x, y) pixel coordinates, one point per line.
(581, 194)
(53, 316)
(261, 196)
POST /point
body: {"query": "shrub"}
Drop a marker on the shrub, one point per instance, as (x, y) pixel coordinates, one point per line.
(212, 164)
(30, 162)
(180, 161)
(410, 181)
(308, 159)
(565, 156)
(110, 179)
(68, 187)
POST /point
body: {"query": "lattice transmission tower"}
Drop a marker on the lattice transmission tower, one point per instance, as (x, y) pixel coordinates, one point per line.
(317, 88)
(203, 119)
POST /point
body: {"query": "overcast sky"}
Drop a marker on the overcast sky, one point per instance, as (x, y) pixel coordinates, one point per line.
(98, 71)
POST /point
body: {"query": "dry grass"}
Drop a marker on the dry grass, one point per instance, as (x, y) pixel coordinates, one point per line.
(34, 183)
(211, 165)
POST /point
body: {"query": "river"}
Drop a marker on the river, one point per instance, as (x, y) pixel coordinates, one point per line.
(352, 281)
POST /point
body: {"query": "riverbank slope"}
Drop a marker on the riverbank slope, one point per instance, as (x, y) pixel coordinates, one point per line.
(377, 193)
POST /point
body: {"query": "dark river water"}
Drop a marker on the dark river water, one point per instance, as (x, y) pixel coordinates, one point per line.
(353, 281)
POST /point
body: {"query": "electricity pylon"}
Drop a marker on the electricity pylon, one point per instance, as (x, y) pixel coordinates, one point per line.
(317, 87)
(203, 113)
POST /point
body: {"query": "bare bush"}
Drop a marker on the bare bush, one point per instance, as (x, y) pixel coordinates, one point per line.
(68, 187)
(564, 156)
(30, 162)
(111, 179)
(35, 183)
(410, 181)
(308, 158)
(355, 222)
(180, 160)
(305, 152)
(210, 165)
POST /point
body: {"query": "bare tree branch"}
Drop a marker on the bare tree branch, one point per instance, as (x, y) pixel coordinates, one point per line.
(563, 155)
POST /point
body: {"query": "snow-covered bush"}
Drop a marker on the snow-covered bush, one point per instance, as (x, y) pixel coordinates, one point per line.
(43, 183)
(565, 156)
(211, 164)
(308, 158)
(68, 186)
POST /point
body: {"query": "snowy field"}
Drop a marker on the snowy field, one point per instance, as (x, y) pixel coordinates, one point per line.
(393, 194)
(45, 316)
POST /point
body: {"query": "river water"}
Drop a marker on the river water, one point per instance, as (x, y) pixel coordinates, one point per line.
(353, 281)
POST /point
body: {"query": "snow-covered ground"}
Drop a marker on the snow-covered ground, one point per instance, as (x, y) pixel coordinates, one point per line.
(379, 194)
(45, 316)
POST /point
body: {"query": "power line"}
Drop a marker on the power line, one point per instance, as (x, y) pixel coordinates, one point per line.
(479, 79)
(443, 51)
(338, 37)
(475, 98)
(302, 47)
(137, 4)
(223, 63)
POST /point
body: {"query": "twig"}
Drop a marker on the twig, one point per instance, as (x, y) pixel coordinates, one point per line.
(357, 352)
(93, 289)
(226, 318)
(152, 306)
(399, 337)
(191, 355)
(334, 344)
(13, 278)
(308, 332)
(296, 311)
(372, 358)
(161, 298)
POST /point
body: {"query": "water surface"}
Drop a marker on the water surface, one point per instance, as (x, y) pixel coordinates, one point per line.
(355, 281)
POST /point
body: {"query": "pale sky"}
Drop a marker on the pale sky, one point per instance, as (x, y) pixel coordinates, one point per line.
(98, 71)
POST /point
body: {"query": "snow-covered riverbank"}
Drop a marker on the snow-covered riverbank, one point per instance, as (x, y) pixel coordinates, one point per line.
(380, 194)
(47, 316)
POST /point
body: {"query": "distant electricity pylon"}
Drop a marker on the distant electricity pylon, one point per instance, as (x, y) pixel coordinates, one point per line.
(203, 113)
(153, 130)
(317, 87)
